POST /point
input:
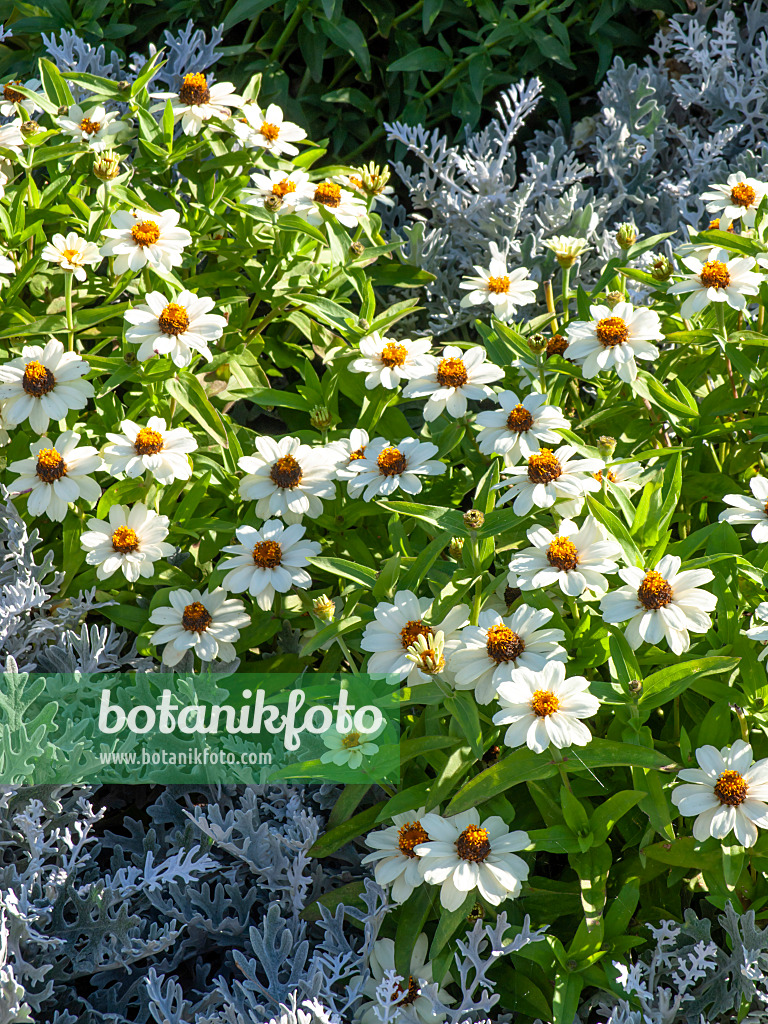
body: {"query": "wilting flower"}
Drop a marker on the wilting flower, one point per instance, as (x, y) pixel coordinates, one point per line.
(389, 362)
(550, 475)
(504, 291)
(287, 478)
(449, 380)
(718, 279)
(207, 623)
(266, 129)
(174, 327)
(661, 602)
(738, 199)
(420, 974)
(43, 384)
(131, 540)
(464, 853)
(574, 557)
(95, 126)
(517, 428)
(72, 253)
(152, 448)
(727, 793)
(545, 708)
(268, 560)
(615, 338)
(140, 239)
(197, 102)
(385, 467)
(746, 509)
(58, 473)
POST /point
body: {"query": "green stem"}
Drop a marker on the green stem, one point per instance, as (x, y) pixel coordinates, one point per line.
(68, 280)
(478, 598)
(348, 655)
(287, 32)
(720, 308)
(566, 292)
(557, 757)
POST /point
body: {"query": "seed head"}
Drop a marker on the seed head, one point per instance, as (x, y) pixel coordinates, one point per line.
(613, 299)
(474, 519)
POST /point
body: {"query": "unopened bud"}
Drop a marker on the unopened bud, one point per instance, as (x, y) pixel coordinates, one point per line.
(62, 111)
(537, 343)
(474, 519)
(273, 203)
(635, 687)
(606, 446)
(357, 248)
(477, 913)
(491, 756)
(324, 608)
(661, 268)
(613, 299)
(626, 236)
(130, 358)
(29, 128)
(363, 324)
(106, 166)
(320, 417)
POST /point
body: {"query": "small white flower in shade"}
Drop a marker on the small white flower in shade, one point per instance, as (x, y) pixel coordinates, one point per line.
(286, 186)
(385, 467)
(267, 129)
(398, 625)
(348, 208)
(614, 339)
(349, 748)
(517, 429)
(287, 478)
(505, 291)
(574, 557)
(494, 650)
(727, 792)
(346, 451)
(545, 708)
(7, 266)
(737, 199)
(152, 448)
(760, 633)
(451, 379)
(566, 248)
(748, 509)
(139, 239)
(206, 622)
(268, 560)
(661, 602)
(131, 540)
(549, 475)
(387, 361)
(43, 384)
(420, 974)
(718, 279)
(96, 127)
(12, 99)
(174, 327)
(464, 853)
(58, 473)
(72, 253)
(393, 859)
(197, 102)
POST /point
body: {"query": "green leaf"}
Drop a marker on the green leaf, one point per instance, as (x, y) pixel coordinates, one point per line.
(360, 823)
(189, 393)
(619, 531)
(669, 682)
(348, 570)
(424, 58)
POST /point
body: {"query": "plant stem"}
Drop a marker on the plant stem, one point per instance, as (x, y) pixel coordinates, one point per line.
(478, 598)
(348, 655)
(68, 280)
(287, 32)
(566, 292)
(557, 757)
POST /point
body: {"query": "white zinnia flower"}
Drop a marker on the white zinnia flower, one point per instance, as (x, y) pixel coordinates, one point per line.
(266, 129)
(11, 138)
(94, 126)
(505, 291)
(174, 327)
(464, 853)
(566, 248)
(738, 199)
(140, 238)
(385, 467)
(494, 650)
(387, 361)
(574, 557)
(58, 473)
(760, 633)
(43, 384)
(72, 253)
(132, 540)
(545, 708)
(348, 748)
(661, 602)
(152, 448)
(206, 622)
(397, 626)
(517, 429)
(288, 186)
(346, 451)
(547, 476)
(346, 207)
(748, 509)
(728, 793)
(197, 102)
(12, 98)
(614, 338)
(268, 560)
(449, 380)
(393, 859)
(287, 478)
(719, 279)
(420, 974)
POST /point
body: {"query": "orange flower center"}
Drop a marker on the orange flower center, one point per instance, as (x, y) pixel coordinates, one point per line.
(148, 442)
(50, 465)
(174, 320)
(70, 254)
(284, 187)
(731, 788)
(11, 95)
(146, 232)
(556, 345)
(473, 844)
(410, 835)
(328, 193)
(562, 554)
(393, 354)
(267, 554)
(519, 420)
(544, 703)
(611, 331)
(270, 132)
(503, 644)
(411, 995)
(124, 540)
(714, 274)
(392, 462)
(194, 90)
(413, 629)
(89, 127)
(37, 380)
(196, 618)
(654, 592)
(544, 467)
(286, 473)
(357, 454)
(452, 373)
(352, 739)
(743, 194)
(498, 285)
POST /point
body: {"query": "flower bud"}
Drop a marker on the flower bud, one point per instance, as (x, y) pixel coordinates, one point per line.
(324, 608)
(661, 268)
(614, 298)
(273, 203)
(29, 128)
(606, 446)
(566, 249)
(626, 236)
(62, 111)
(357, 248)
(477, 913)
(106, 166)
(537, 343)
(455, 547)
(474, 519)
(635, 687)
(320, 417)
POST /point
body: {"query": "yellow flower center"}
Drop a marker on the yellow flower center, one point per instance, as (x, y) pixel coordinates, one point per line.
(89, 127)
(543, 703)
(37, 380)
(267, 554)
(328, 193)
(393, 354)
(194, 90)
(452, 373)
(148, 442)
(146, 232)
(519, 420)
(124, 540)
(283, 188)
(174, 320)
(503, 644)
(270, 131)
(498, 285)
(10, 95)
(743, 194)
(413, 629)
(731, 788)
(196, 618)
(359, 453)
(599, 476)
(654, 592)
(611, 331)
(70, 254)
(352, 739)
(286, 473)
(410, 835)
(392, 462)
(562, 554)
(473, 844)
(50, 465)
(714, 274)
(544, 467)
